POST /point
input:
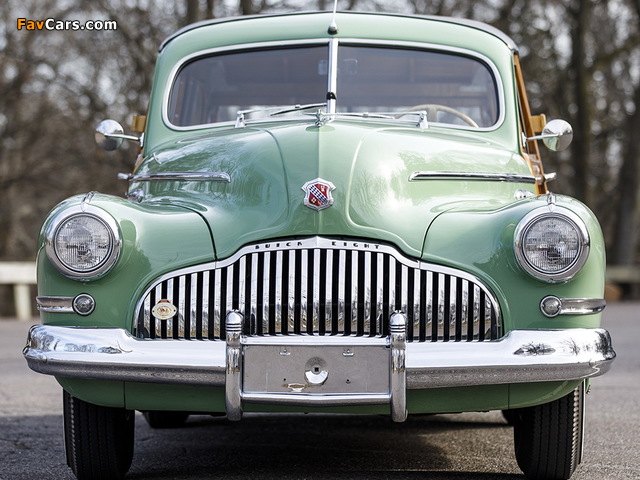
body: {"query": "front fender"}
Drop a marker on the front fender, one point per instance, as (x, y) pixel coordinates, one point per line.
(155, 239)
(483, 244)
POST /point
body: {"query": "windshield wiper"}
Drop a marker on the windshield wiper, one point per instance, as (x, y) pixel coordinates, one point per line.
(281, 110)
(421, 122)
(296, 108)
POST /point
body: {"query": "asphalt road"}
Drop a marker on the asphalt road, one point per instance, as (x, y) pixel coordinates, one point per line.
(461, 447)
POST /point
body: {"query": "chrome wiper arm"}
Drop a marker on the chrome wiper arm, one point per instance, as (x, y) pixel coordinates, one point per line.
(296, 108)
(240, 115)
(393, 116)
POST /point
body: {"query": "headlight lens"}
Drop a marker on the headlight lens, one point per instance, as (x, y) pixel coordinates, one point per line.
(552, 246)
(83, 245)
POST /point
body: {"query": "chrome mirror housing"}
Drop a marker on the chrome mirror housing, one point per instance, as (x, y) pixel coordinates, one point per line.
(109, 135)
(556, 135)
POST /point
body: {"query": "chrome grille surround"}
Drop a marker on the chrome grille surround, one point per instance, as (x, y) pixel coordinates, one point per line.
(321, 286)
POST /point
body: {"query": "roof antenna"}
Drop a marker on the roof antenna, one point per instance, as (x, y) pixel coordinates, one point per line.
(333, 27)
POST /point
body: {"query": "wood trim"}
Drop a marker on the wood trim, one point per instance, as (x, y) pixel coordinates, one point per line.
(532, 125)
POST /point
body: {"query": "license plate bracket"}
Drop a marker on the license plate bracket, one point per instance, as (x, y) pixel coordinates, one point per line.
(316, 369)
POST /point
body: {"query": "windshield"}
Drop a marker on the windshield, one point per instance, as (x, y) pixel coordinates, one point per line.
(452, 88)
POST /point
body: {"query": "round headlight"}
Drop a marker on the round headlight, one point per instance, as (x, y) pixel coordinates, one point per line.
(552, 245)
(83, 245)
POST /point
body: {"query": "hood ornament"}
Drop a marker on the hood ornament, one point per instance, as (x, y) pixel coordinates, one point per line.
(317, 194)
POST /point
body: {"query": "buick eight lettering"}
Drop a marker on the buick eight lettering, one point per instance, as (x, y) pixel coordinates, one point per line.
(339, 213)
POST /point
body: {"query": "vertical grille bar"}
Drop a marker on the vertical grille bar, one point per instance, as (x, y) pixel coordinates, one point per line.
(377, 285)
(292, 298)
(368, 326)
(323, 289)
(167, 327)
(313, 290)
(217, 305)
(440, 304)
(330, 303)
(252, 293)
(453, 308)
(415, 301)
(431, 324)
(278, 295)
(353, 292)
(347, 269)
(203, 313)
(193, 295)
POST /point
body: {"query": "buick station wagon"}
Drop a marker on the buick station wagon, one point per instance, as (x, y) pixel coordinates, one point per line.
(342, 213)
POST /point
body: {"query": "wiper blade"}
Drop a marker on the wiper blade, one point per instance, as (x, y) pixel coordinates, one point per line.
(296, 108)
(280, 110)
(393, 116)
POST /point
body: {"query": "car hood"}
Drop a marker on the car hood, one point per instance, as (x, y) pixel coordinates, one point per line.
(371, 167)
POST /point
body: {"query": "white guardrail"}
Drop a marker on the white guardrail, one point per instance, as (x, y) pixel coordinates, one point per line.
(23, 274)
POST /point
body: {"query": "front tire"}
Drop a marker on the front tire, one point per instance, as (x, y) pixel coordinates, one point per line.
(98, 440)
(548, 437)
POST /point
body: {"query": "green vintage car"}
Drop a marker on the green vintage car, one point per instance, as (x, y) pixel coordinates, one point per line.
(329, 213)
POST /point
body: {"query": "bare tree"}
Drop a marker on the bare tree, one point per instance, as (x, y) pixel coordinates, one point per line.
(581, 59)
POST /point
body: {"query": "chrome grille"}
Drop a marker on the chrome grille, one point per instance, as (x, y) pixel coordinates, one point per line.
(320, 286)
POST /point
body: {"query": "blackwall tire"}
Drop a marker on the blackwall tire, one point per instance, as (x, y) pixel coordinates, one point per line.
(98, 440)
(548, 437)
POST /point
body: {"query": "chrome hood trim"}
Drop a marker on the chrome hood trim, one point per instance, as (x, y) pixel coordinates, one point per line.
(489, 177)
(178, 176)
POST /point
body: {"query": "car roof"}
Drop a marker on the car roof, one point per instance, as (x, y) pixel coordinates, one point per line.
(452, 20)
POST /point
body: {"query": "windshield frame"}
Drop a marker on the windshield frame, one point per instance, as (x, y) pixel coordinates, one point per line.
(333, 48)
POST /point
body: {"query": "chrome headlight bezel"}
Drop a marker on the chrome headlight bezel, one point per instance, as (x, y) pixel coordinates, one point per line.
(92, 213)
(582, 249)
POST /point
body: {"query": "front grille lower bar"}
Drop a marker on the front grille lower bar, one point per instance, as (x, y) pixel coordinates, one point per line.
(320, 286)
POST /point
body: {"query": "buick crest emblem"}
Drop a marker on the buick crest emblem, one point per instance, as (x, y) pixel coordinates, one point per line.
(317, 194)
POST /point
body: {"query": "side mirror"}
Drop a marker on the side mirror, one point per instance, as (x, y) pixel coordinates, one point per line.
(109, 135)
(556, 135)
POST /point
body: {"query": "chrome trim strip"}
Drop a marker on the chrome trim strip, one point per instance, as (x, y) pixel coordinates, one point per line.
(311, 400)
(54, 304)
(311, 341)
(179, 176)
(571, 306)
(582, 306)
(492, 177)
(521, 356)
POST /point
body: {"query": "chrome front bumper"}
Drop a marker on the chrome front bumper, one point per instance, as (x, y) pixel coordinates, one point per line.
(319, 371)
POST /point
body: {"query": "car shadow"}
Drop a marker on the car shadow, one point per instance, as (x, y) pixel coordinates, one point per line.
(298, 446)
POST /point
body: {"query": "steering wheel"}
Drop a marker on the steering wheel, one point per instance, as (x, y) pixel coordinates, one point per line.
(432, 110)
